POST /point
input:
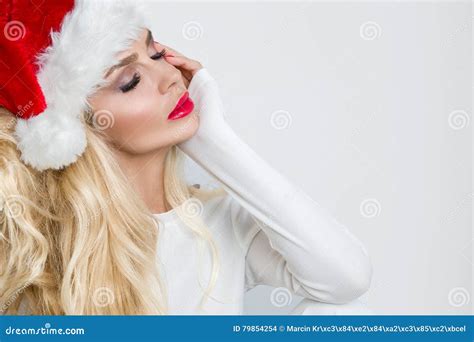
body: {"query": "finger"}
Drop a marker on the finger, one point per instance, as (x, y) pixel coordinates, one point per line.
(187, 66)
(179, 61)
(183, 62)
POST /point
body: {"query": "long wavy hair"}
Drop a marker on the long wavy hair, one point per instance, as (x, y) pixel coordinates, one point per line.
(80, 241)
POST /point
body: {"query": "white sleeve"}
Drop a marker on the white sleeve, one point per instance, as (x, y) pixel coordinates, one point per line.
(302, 246)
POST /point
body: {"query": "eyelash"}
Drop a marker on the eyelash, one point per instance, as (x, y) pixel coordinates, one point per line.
(158, 55)
(136, 77)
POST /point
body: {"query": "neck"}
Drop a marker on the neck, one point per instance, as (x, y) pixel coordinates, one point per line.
(146, 174)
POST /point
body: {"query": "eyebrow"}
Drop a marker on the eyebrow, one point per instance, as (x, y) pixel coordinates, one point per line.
(129, 59)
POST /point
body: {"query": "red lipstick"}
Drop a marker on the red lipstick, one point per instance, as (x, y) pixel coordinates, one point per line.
(184, 106)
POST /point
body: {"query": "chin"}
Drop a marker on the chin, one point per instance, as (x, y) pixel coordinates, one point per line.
(187, 127)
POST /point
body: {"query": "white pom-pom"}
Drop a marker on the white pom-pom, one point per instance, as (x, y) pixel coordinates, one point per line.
(50, 142)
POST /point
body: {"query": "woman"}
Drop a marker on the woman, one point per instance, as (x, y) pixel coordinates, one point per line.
(112, 227)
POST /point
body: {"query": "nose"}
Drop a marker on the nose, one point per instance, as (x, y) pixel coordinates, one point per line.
(166, 75)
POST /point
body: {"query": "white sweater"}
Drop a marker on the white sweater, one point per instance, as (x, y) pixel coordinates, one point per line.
(267, 230)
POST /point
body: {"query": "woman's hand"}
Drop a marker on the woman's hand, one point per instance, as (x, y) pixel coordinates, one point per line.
(187, 66)
(203, 90)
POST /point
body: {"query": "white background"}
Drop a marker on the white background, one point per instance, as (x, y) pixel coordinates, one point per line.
(377, 102)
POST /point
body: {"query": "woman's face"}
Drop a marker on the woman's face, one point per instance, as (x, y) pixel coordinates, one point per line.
(133, 110)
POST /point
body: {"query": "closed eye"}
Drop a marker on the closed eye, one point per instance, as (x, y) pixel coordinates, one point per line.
(136, 77)
(158, 55)
(132, 84)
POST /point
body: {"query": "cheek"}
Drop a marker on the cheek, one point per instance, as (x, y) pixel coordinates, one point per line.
(141, 124)
(125, 112)
(136, 118)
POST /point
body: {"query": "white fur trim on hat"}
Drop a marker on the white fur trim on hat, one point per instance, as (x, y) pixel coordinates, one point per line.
(70, 69)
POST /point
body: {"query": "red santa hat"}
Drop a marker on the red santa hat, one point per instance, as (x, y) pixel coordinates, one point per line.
(53, 56)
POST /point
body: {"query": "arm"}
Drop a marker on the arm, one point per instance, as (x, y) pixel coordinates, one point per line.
(313, 254)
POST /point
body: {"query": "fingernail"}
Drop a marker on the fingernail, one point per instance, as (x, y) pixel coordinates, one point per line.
(169, 55)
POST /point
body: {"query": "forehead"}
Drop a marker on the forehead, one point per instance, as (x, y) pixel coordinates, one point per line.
(137, 44)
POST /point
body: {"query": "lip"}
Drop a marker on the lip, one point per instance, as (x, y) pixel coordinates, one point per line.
(184, 106)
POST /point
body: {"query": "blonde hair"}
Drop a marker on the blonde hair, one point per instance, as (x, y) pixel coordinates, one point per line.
(85, 243)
